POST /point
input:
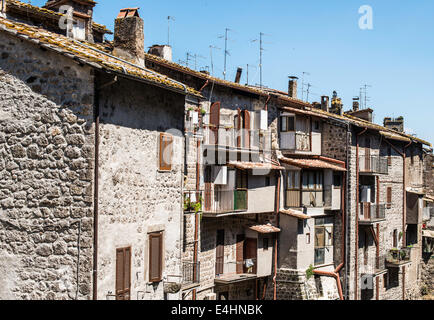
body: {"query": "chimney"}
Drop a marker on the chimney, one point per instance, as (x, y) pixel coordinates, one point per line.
(238, 76)
(162, 51)
(325, 103)
(394, 123)
(356, 104)
(292, 87)
(129, 38)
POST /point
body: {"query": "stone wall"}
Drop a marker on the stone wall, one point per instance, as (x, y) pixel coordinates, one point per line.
(46, 174)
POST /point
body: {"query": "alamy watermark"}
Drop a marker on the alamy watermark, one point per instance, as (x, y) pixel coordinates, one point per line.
(366, 21)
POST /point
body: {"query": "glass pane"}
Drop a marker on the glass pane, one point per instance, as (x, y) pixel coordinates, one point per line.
(296, 179)
(305, 180)
(319, 256)
(283, 123)
(290, 180)
(319, 237)
(311, 180)
(291, 123)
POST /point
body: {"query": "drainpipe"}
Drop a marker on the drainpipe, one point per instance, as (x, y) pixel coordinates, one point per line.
(357, 215)
(97, 91)
(196, 218)
(203, 87)
(277, 206)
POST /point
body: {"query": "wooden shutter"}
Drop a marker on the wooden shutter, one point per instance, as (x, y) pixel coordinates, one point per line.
(389, 197)
(214, 121)
(166, 151)
(123, 273)
(220, 250)
(251, 252)
(155, 257)
(246, 127)
(368, 155)
(240, 253)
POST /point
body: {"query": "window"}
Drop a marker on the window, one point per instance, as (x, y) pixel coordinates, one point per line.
(241, 181)
(79, 29)
(123, 273)
(323, 238)
(385, 281)
(165, 152)
(293, 180)
(395, 238)
(287, 124)
(337, 180)
(312, 180)
(155, 257)
(316, 125)
(389, 197)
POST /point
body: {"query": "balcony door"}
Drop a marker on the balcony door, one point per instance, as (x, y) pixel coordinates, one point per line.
(220, 252)
(240, 253)
(250, 255)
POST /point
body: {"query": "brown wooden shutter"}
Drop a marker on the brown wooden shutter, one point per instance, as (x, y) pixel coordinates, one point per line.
(123, 273)
(251, 252)
(368, 155)
(389, 197)
(155, 257)
(238, 132)
(220, 252)
(214, 121)
(166, 151)
(240, 253)
(246, 127)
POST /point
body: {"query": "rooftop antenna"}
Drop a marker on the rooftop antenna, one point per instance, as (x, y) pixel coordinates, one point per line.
(226, 51)
(169, 18)
(302, 84)
(365, 91)
(308, 89)
(249, 66)
(211, 47)
(261, 50)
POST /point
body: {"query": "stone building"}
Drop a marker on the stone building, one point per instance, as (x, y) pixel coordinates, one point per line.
(91, 169)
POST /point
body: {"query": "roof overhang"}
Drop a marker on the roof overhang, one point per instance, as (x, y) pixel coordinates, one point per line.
(419, 192)
(264, 228)
(295, 214)
(307, 163)
(428, 234)
(393, 136)
(254, 165)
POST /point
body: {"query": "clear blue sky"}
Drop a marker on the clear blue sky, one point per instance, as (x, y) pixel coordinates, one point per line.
(320, 37)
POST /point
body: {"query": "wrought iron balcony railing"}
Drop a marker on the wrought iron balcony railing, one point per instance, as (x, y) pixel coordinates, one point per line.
(372, 212)
(190, 273)
(373, 164)
(225, 201)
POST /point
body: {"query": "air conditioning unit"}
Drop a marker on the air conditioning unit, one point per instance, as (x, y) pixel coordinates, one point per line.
(211, 296)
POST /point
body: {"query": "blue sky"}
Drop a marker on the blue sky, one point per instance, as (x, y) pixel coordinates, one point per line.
(319, 37)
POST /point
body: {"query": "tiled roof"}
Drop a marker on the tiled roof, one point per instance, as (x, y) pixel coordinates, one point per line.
(204, 76)
(311, 163)
(254, 165)
(48, 13)
(294, 213)
(264, 228)
(89, 54)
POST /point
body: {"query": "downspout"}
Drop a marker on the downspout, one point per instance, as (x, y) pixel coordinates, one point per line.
(277, 206)
(96, 183)
(203, 87)
(196, 219)
(357, 215)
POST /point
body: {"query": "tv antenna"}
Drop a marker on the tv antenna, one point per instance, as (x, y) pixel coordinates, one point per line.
(261, 50)
(302, 84)
(211, 47)
(248, 67)
(226, 53)
(364, 93)
(169, 18)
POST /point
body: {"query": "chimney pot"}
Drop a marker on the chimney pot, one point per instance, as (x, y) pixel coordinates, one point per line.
(129, 38)
(292, 87)
(325, 103)
(162, 51)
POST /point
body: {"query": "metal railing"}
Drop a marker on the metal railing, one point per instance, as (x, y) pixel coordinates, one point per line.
(302, 141)
(371, 212)
(218, 201)
(190, 273)
(248, 266)
(230, 137)
(373, 164)
(398, 256)
(309, 198)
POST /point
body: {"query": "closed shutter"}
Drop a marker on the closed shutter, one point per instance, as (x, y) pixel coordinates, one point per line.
(123, 273)
(251, 253)
(238, 127)
(389, 197)
(240, 253)
(214, 121)
(165, 152)
(246, 127)
(155, 257)
(220, 250)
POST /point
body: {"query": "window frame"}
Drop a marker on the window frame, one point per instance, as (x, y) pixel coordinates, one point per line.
(165, 141)
(284, 120)
(159, 235)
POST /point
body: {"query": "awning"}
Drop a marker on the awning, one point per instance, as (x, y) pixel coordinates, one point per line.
(428, 198)
(295, 213)
(264, 228)
(254, 165)
(312, 163)
(428, 234)
(394, 136)
(415, 191)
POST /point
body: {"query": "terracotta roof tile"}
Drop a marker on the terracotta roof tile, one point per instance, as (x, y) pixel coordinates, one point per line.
(312, 163)
(264, 228)
(295, 214)
(254, 165)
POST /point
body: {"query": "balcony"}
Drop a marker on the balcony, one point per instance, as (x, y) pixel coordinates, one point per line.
(193, 201)
(190, 273)
(329, 198)
(231, 138)
(398, 257)
(374, 266)
(225, 201)
(296, 141)
(373, 165)
(372, 213)
(236, 271)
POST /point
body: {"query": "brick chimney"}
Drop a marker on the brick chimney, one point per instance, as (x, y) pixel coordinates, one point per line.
(292, 87)
(325, 103)
(238, 75)
(162, 51)
(356, 104)
(129, 37)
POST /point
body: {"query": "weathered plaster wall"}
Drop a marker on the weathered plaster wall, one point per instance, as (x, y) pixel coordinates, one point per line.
(46, 173)
(135, 198)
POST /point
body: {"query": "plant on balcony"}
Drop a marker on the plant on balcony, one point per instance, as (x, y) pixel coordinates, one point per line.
(193, 206)
(202, 111)
(309, 272)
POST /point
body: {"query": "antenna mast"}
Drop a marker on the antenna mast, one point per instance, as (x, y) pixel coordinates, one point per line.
(168, 28)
